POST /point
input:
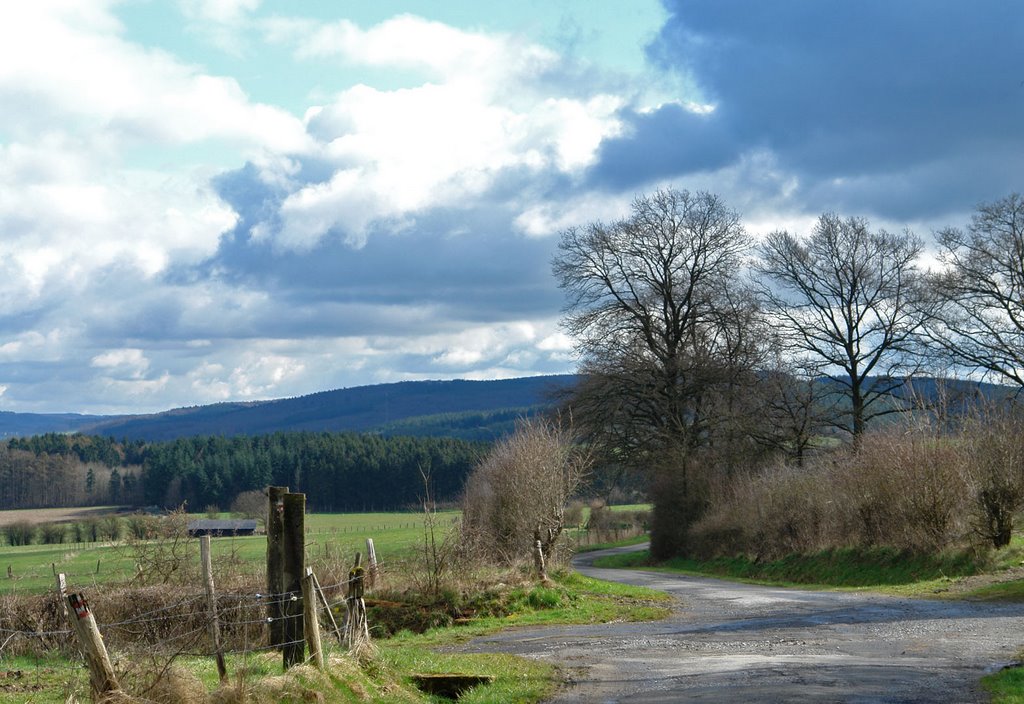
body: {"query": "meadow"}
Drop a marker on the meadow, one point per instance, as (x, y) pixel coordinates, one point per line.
(32, 568)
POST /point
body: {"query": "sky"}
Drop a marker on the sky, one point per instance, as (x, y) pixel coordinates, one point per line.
(233, 200)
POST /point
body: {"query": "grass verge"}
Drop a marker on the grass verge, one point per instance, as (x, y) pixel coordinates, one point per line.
(880, 569)
(635, 540)
(1005, 686)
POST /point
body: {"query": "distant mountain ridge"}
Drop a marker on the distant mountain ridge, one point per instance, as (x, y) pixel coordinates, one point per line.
(467, 410)
(460, 408)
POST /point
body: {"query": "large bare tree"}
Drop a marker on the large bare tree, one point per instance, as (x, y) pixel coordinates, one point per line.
(847, 300)
(647, 298)
(666, 332)
(978, 322)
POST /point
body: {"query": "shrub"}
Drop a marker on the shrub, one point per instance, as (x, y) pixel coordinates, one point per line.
(88, 531)
(906, 488)
(164, 556)
(52, 533)
(995, 444)
(109, 528)
(251, 504)
(520, 491)
(680, 492)
(20, 533)
(141, 526)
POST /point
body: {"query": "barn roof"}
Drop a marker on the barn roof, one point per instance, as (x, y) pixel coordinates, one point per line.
(234, 524)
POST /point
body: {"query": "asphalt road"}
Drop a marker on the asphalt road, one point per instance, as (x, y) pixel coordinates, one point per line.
(728, 642)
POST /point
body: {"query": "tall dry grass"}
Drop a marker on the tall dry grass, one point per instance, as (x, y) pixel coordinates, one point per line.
(912, 487)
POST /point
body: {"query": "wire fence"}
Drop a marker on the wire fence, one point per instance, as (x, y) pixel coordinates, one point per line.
(158, 620)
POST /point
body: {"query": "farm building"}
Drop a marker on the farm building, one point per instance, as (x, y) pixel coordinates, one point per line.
(218, 527)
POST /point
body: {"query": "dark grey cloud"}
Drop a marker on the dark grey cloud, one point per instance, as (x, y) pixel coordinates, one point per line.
(661, 142)
(465, 264)
(929, 89)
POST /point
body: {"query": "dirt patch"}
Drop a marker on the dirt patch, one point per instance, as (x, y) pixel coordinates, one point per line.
(57, 515)
(962, 587)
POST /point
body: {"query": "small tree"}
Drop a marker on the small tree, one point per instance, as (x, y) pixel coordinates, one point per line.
(20, 533)
(166, 556)
(521, 489)
(995, 443)
(52, 533)
(251, 504)
(110, 527)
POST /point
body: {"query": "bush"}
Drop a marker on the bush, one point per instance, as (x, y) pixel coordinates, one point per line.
(52, 533)
(995, 444)
(906, 488)
(251, 504)
(109, 528)
(142, 527)
(680, 498)
(20, 533)
(520, 491)
(87, 531)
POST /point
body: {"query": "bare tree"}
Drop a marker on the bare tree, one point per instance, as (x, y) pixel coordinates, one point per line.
(847, 299)
(978, 321)
(521, 489)
(669, 338)
(645, 300)
(797, 408)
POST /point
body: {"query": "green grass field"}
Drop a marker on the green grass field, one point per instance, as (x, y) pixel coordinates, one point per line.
(31, 568)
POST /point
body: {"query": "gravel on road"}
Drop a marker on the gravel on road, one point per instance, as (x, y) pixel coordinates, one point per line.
(732, 642)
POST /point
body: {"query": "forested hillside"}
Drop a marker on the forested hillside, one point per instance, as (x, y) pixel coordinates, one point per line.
(337, 471)
(471, 410)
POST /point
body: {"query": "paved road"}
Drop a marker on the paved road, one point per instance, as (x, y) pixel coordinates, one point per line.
(729, 642)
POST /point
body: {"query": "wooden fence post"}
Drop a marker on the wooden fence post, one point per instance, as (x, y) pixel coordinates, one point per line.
(62, 597)
(294, 651)
(327, 608)
(310, 605)
(211, 604)
(275, 562)
(371, 564)
(102, 679)
(357, 631)
(538, 561)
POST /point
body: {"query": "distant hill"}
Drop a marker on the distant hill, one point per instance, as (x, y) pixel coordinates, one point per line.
(27, 424)
(473, 410)
(467, 410)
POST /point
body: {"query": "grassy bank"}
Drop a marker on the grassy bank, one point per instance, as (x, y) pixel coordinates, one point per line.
(1005, 686)
(882, 567)
(960, 575)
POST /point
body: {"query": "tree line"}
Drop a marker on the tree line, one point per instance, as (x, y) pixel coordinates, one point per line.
(337, 471)
(704, 353)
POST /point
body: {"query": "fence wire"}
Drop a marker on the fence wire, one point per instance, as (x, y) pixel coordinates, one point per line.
(177, 627)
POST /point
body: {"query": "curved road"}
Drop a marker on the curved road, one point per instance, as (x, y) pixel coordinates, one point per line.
(728, 642)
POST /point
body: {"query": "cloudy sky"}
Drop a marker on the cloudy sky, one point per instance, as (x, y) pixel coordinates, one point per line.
(210, 200)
